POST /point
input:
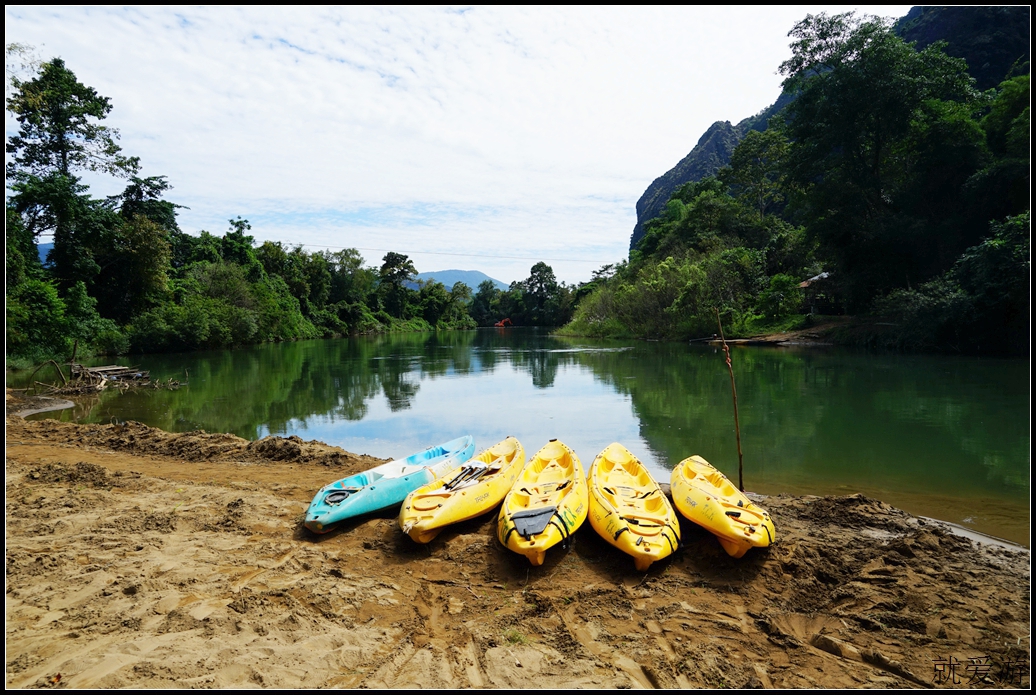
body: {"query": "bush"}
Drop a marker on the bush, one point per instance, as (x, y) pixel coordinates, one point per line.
(36, 325)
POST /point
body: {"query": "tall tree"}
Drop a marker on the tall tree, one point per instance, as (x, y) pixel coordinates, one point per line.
(59, 129)
(541, 295)
(60, 135)
(396, 270)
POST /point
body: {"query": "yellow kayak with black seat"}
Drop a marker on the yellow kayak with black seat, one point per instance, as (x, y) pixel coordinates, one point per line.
(546, 504)
(628, 508)
(468, 491)
(708, 498)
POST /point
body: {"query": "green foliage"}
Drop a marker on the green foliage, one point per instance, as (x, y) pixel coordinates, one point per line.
(350, 281)
(482, 304)
(879, 130)
(980, 305)
(36, 324)
(434, 299)
(94, 333)
(21, 255)
(57, 204)
(58, 127)
(756, 173)
(674, 298)
(187, 249)
(134, 265)
(397, 270)
(143, 197)
(781, 298)
(538, 300)
(995, 40)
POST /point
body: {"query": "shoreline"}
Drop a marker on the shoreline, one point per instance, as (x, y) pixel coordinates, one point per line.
(180, 560)
(43, 404)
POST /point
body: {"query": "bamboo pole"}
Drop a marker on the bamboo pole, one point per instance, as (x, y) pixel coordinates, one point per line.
(733, 390)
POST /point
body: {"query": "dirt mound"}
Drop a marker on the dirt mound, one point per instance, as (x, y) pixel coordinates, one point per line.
(134, 437)
(82, 473)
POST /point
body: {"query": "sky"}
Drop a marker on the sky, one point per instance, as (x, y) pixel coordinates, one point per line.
(475, 138)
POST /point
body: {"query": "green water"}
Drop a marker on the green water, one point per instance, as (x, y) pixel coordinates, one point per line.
(946, 437)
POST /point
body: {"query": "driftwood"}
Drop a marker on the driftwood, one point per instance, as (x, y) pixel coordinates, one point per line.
(60, 373)
(92, 379)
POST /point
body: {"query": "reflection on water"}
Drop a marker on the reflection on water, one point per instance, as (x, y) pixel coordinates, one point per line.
(944, 437)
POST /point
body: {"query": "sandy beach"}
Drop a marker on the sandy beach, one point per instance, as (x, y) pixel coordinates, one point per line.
(140, 558)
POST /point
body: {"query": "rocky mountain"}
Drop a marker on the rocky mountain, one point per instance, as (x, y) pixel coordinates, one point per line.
(710, 155)
(993, 40)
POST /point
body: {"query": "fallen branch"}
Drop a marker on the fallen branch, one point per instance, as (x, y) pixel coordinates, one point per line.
(60, 373)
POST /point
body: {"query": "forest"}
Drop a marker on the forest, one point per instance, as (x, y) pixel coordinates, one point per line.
(123, 277)
(888, 188)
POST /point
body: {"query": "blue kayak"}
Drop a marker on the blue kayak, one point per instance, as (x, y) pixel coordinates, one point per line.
(384, 486)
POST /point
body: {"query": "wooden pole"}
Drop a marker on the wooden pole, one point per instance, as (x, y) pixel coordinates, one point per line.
(733, 390)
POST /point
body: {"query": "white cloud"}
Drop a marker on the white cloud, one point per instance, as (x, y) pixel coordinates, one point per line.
(493, 131)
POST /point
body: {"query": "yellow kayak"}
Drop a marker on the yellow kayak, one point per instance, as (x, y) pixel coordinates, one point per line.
(467, 491)
(546, 504)
(709, 499)
(628, 508)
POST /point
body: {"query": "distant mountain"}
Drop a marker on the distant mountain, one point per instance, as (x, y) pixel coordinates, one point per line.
(993, 40)
(43, 250)
(471, 278)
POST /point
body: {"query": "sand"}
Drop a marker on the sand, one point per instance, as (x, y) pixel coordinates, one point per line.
(144, 559)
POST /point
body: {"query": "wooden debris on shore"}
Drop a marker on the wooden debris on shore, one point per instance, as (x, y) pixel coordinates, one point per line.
(91, 379)
(112, 372)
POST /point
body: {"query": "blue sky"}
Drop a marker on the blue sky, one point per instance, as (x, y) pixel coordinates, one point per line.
(512, 132)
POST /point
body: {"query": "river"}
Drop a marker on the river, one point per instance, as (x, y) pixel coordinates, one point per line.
(945, 437)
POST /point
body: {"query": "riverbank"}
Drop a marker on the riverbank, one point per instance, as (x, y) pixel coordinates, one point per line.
(141, 558)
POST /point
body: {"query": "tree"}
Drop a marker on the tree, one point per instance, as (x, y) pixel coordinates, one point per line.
(350, 281)
(60, 135)
(435, 300)
(21, 255)
(541, 291)
(756, 169)
(134, 268)
(484, 302)
(59, 204)
(59, 130)
(396, 270)
(870, 114)
(144, 197)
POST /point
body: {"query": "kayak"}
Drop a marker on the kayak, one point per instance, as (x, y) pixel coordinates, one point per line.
(384, 486)
(709, 499)
(628, 508)
(465, 492)
(546, 504)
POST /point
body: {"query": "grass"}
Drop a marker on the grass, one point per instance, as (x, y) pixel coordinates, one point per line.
(515, 637)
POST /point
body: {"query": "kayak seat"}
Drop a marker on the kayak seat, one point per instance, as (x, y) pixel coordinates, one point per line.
(531, 522)
(720, 482)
